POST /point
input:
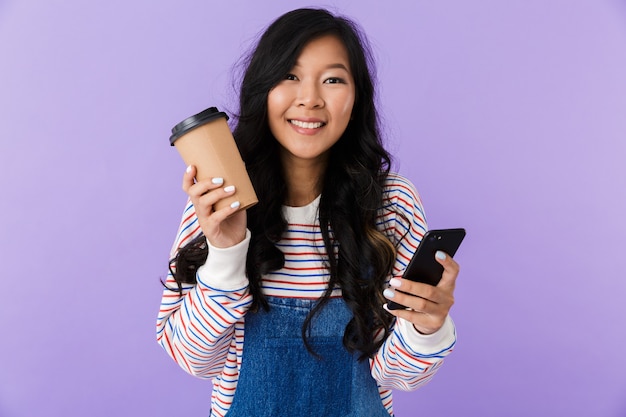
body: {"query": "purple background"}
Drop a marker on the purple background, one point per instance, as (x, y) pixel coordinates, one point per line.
(509, 116)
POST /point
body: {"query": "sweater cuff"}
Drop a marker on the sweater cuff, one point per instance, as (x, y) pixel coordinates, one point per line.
(225, 268)
(443, 339)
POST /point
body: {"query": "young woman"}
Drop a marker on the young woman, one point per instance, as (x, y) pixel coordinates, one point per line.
(284, 306)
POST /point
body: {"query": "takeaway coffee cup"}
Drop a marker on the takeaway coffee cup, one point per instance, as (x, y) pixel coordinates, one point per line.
(206, 142)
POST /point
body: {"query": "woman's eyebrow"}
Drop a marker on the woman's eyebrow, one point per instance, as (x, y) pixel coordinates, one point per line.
(338, 65)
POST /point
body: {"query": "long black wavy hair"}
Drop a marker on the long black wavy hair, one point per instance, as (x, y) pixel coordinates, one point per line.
(352, 185)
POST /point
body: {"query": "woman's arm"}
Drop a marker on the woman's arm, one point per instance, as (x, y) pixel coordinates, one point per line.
(408, 359)
(197, 328)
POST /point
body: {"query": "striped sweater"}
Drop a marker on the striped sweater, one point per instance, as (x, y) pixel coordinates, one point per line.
(203, 329)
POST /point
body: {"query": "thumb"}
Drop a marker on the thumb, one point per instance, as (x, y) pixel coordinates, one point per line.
(450, 270)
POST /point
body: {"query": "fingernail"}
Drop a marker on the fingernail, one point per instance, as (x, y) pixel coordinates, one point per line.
(440, 255)
(389, 293)
(235, 204)
(229, 189)
(188, 170)
(395, 282)
(386, 306)
(217, 180)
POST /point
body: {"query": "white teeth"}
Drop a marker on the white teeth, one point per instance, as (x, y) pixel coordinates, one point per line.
(306, 125)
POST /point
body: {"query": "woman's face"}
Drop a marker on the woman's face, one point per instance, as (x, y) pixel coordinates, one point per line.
(310, 109)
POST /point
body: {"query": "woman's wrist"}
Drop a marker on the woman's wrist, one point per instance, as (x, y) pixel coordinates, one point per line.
(225, 268)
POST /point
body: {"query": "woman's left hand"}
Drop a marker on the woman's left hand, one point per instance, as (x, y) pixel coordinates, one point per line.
(428, 306)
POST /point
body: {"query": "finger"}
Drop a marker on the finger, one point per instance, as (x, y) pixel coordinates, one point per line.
(223, 213)
(415, 289)
(424, 323)
(450, 270)
(410, 300)
(198, 189)
(188, 177)
(220, 232)
(208, 199)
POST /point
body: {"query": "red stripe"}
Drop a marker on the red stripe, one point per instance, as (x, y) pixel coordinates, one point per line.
(182, 357)
(294, 284)
(180, 244)
(192, 214)
(310, 226)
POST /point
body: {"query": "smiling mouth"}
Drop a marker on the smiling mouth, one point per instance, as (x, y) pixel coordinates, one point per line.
(307, 125)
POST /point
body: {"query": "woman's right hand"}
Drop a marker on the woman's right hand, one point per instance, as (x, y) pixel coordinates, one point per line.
(222, 228)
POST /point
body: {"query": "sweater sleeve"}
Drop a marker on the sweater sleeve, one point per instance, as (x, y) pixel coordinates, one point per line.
(196, 326)
(408, 359)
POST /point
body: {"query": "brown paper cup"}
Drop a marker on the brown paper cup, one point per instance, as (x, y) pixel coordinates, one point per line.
(206, 142)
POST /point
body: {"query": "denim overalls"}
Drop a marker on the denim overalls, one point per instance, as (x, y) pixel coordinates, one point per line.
(280, 378)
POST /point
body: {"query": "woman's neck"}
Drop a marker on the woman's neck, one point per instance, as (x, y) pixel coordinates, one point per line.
(304, 180)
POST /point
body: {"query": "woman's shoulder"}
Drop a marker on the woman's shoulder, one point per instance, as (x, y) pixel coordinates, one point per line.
(397, 186)
(402, 210)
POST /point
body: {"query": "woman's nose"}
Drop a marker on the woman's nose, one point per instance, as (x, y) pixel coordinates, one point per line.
(309, 95)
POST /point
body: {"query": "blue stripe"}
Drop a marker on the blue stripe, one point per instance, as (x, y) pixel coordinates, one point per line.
(438, 354)
(312, 261)
(223, 309)
(172, 303)
(198, 336)
(189, 207)
(307, 232)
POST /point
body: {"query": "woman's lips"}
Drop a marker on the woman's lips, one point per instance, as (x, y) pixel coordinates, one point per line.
(307, 125)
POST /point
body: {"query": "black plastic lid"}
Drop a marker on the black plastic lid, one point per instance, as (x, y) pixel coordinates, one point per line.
(194, 121)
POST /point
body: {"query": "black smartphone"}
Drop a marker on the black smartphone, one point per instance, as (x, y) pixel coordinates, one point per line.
(423, 267)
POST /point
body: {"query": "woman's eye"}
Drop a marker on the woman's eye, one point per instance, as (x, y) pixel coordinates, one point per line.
(335, 80)
(290, 77)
